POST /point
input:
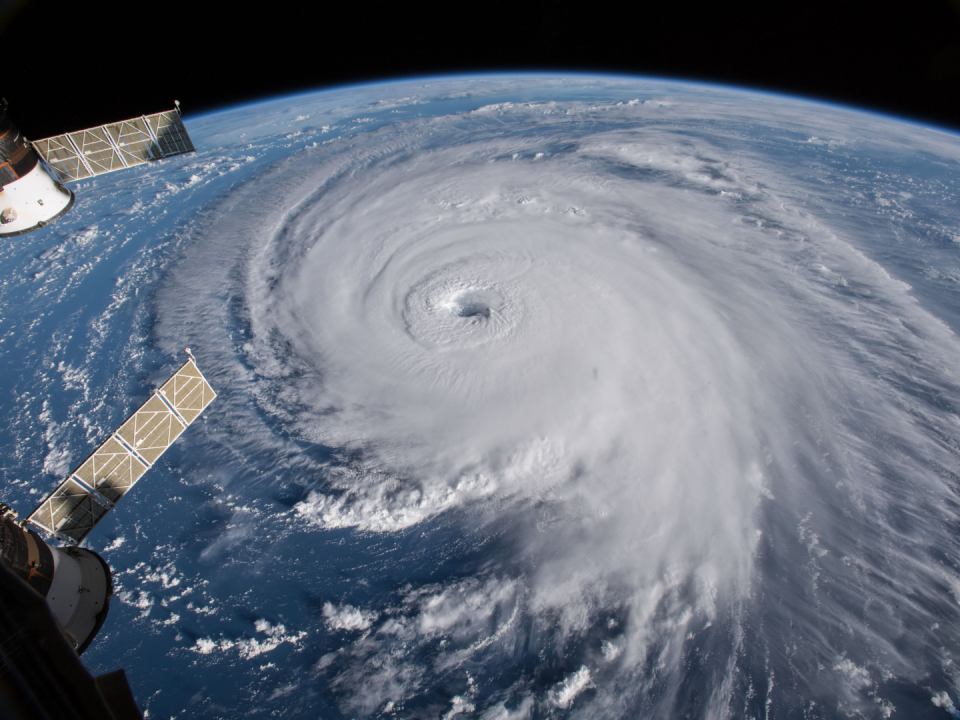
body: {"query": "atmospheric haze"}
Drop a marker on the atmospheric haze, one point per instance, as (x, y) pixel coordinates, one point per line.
(653, 387)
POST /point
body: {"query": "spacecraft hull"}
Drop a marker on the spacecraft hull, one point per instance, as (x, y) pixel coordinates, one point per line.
(32, 201)
(30, 197)
(75, 582)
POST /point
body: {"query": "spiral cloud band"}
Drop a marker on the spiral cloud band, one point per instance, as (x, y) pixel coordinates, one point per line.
(652, 359)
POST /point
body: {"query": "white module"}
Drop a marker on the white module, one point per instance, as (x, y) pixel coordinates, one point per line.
(32, 201)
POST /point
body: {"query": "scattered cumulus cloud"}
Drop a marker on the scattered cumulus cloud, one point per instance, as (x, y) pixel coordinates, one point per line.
(347, 617)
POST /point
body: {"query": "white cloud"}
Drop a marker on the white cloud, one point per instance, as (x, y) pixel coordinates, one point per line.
(858, 676)
(611, 651)
(942, 700)
(500, 711)
(114, 544)
(142, 600)
(347, 617)
(568, 690)
(459, 706)
(248, 648)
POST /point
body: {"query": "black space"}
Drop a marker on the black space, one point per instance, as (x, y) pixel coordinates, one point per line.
(68, 65)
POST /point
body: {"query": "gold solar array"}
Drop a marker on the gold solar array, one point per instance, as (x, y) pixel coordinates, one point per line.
(103, 149)
(151, 429)
(80, 502)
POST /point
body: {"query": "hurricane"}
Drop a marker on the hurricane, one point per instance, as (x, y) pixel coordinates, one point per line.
(593, 400)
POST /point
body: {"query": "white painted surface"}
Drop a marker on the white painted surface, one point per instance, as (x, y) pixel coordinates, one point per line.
(34, 198)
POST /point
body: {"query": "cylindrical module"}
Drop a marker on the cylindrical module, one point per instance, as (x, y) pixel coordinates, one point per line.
(29, 196)
(76, 582)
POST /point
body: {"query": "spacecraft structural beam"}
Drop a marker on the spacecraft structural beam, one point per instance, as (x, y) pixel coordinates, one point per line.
(150, 130)
(116, 149)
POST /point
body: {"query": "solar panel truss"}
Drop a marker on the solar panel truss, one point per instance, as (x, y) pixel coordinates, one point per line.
(75, 507)
(103, 149)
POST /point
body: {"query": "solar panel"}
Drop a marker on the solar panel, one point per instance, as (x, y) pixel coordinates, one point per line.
(75, 507)
(114, 146)
(170, 133)
(111, 470)
(187, 392)
(151, 429)
(70, 512)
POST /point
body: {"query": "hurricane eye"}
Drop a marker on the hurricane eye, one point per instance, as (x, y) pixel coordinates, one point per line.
(474, 303)
(472, 309)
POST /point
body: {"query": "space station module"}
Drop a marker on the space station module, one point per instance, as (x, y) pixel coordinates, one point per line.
(34, 174)
(30, 197)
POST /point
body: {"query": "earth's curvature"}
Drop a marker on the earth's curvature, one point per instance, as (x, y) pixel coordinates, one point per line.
(539, 397)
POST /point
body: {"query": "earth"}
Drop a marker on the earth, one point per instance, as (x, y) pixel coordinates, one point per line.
(539, 397)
